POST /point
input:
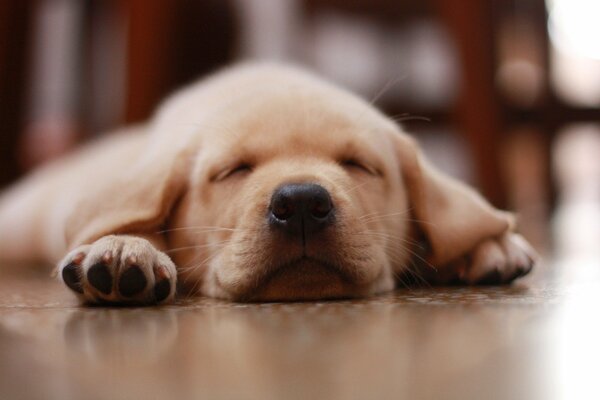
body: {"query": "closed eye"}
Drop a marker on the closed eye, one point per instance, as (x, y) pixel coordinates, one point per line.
(239, 170)
(352, 164)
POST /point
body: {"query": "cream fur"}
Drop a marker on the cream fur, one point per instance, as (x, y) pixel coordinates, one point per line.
(166, 182)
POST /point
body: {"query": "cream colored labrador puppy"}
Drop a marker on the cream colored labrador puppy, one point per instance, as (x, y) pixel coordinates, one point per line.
(260, 183)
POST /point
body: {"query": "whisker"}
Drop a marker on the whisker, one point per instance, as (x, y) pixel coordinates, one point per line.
(352, 189)
(401, 239)
(199, 229)
(382, 216)
(374, 218)
(388, 236)
(408, 117)
(415, 275)
(388, 85)
(202, 246)
(411, 269)
(400, 276)
(193, 290)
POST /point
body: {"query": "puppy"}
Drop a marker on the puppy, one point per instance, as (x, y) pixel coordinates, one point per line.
(261, 183)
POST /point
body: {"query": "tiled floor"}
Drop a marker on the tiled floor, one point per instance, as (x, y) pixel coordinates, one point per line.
(538, 339)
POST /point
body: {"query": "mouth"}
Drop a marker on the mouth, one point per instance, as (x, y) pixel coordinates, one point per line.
(306, 278)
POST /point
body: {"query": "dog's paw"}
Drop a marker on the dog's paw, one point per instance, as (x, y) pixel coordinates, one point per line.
(119, 270)
(497, 261)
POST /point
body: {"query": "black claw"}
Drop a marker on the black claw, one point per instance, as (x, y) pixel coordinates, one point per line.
(162, 289)
(99, 277)
(491, 278)
(517, 274)
(71, 275)
(528, 268)
(522, 271)
(132, 281)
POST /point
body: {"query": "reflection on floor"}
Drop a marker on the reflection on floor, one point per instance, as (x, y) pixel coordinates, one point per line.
(537, 339)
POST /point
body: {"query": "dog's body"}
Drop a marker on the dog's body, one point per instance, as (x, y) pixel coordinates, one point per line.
(260, 183)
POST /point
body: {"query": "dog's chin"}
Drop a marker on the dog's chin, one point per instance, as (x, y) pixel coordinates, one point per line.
(307, 279)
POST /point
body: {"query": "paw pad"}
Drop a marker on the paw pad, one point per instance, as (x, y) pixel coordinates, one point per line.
(132, 281)
(71, 275)
(99, 277)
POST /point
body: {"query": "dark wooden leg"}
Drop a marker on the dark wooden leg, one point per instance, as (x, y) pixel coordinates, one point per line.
(15, 18)
(149, 32)
(477, 112)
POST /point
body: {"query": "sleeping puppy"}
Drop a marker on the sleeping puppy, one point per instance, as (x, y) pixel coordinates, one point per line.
(261, 183)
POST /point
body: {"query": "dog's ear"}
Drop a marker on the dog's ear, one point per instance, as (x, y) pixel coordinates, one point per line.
(136, 192)
(452, 216)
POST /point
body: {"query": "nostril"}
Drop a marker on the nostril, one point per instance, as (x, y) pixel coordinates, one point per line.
(321, 207)
(282, 208)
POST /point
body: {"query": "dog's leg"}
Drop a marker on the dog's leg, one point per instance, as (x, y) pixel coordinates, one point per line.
(22, 233)
(120, 269)
(493, 261)
(498, 260)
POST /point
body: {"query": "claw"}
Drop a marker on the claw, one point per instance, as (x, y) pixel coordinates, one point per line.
(107, 257)
(492, 277)
(78, 258)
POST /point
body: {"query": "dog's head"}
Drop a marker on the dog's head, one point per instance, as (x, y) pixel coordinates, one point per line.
(299, 192)
(295, 196)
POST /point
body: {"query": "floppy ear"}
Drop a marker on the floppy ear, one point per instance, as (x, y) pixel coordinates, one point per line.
(452, 216)
(134, 188)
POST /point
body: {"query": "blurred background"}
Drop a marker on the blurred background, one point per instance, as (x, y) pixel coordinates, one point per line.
(501, 93)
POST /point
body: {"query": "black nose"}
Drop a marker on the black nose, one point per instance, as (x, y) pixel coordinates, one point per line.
(301, 208)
